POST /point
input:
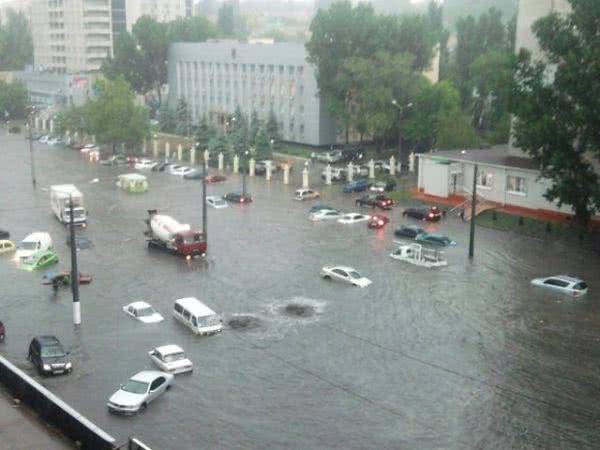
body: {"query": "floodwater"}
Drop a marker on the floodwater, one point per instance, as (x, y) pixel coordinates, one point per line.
(470, 356)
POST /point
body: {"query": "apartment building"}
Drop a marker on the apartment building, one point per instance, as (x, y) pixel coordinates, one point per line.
(160, 10)
(217, 76)
(71, 36)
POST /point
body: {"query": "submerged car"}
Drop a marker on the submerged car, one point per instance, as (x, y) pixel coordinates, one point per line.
(7, 247)
(345, 274)
(409, 231)
(215, 178)
(171, 359)
(324, 214)
(115, 160)
(351, 218)
(375, 201)
(432, 214)
(194, 174)
(306, 194)
(40, 260)
(216, 202)
(237, 197)
(4, 234)
(64, 279)
(563, 283)
(143, 312)
(356, 186)
(382, 186)
(139, 391)
(145, 164)
(378, 221)
(318, 207)
(180, 171)
(435, 239)
(49, 356)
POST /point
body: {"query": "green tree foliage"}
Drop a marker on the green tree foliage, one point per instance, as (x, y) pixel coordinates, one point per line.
(204, 133)
(166, 119)
(239, 132)
(191, 29)
(183, 118)
(129, 63)
(272, 131)
(556, 106)
(16, 44)
(151, 37)
(113, 117)
(262, 146)
(13, 99)
(253, 128)
(72, 120)
(226, 20)
(221, 143)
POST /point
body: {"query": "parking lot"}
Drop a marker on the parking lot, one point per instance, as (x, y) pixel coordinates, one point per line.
(467, 356)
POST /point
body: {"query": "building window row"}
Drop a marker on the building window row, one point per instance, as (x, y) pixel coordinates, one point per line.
(514, 184)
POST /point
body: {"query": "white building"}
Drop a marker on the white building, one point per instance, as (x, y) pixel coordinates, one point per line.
(160, 10)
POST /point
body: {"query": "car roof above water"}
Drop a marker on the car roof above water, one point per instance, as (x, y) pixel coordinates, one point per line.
(195, 306)
(147, 376)
(170, 349)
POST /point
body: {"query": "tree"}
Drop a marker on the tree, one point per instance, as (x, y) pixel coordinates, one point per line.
(262, 146)
(221, 144)
(129, 63)
(113, 117)
(13, 99)
(253, 128)
(16, 44)
(556, 106)
(272, 131)
(204, 133)
(183, 118)
(191, 29)
(239, 134)
(151, 36)
(166, 119)
(72, 119)
(226, 20)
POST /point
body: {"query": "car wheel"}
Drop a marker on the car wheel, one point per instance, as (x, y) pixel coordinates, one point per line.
(168, 387)
(326, 277)
(144, 406)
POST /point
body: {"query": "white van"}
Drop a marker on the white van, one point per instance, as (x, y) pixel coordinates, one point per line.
(197, 316)
(33, 243)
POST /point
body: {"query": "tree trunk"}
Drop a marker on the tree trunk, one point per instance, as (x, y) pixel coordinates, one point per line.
(347, 134)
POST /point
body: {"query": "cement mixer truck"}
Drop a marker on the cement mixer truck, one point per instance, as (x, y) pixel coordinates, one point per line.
(167, 234)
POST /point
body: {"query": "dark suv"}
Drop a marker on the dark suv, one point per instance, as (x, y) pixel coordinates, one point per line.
(375, 201)
(48, 354)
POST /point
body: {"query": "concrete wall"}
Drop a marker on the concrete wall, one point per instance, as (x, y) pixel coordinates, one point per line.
(53, 410)
(436, 178)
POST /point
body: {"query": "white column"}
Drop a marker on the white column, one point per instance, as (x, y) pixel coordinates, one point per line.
(67, 133)
(221, 163)
(93, 138)
(305, 178)
(286, 173)
(179, 152)
(420, 174)
(371, 169)
(76, 136)
(251, 167)
(192, 156)
(123, 147)
(206, 158)
(268, 173)
(155, 148)
(145, 146)
(167, 150)
(350, 176)
(51, 126)
(236, 163)
(392, 165)
(411, 162)
(328, 174)
(36, 122)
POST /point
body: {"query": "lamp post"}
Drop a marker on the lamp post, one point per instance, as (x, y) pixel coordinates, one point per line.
(244, 167)
(74, 270)
(401, 110)
(31, 159)
(473, 206)
(204, 208)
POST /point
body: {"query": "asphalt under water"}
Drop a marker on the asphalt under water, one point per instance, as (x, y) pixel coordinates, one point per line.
(467, 357)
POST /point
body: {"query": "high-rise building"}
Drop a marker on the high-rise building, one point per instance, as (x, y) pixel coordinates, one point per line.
(216, 77)
(160, 10)
(71, 35)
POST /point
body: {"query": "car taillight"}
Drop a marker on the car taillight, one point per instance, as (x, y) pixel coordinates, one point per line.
(241, 200)
(380, 223)
(430, 215)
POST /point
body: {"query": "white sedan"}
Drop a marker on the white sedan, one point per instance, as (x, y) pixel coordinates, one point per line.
(88, 148)
(346, 274)
(139, 391)
(171, 359)
(351, 218)
(143, 312)
(324, 214)
(216, 202)
(145, 164)
(563, 283)
(179, 170)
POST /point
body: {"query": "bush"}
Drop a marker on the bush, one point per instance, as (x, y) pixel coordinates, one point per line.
(14, 129)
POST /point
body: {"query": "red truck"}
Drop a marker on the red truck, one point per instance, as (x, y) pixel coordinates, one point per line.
(167, 234)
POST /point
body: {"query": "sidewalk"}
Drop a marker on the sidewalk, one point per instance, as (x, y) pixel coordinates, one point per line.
(20, 428)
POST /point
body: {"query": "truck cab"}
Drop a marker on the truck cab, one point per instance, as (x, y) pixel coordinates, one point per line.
(190, 243)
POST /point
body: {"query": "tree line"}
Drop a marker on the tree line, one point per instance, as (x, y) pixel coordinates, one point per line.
(16, 44)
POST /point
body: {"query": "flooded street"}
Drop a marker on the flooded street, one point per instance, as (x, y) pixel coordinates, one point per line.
(470, 356)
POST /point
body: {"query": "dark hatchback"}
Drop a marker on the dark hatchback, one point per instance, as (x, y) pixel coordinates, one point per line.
(49, 356)
(409, 231)
(432, 214)
(237, 197)
(375, 201)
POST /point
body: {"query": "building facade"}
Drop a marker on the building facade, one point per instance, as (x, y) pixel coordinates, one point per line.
(215, 77)
(160, 10)
(57, 89)
(71, 36)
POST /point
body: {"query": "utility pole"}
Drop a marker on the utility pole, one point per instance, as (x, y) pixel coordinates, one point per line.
(473, 206)
(74, 271)
(204, 209)
(244, 167)
(31, 160)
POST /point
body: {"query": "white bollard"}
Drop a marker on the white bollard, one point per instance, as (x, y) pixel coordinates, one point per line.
(305, 178)
(67, 133)
(236, 164)
(206, 158)
(94, 139)
(221, 162)
(51, 126)
(192, 156)
(286, 173)
(371, 169)
(123, 147)
(76, 136)
(179, 152)
(155, 148)
(36, 123)
(167, 150)
(411, 162)
(328, 174)
(268, 173)
(392, 165)
(145, 146)
(77, 313)
(350, 176)
(251, 167)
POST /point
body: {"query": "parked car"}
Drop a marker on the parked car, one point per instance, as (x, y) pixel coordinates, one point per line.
(375, 201)
(352, 218)
(171, 359)
(435, 239)
(337, 174)
(318, 207)
(215, 178)
(7, 247)
(345, 274)
(139, 391)
(143, 312)
(2, 331)
(352, 154)
(33, 243)
(356, 186)
(260, 168)
(44, 139)
(180, 170)
(48, 355)
(88, 148)
(4, 234)
(145, 164)
(409, 231)
(432, 214)
(237, 197)
(194, 174)
(563, 283)
(378, 221)
(330, 157)
(40, 260)
(382, 186)
(306, 194)
(216, 202)
(115, 160)
(64, 279)
(324, 214)
(162, 166)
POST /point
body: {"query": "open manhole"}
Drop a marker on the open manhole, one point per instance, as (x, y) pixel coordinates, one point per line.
(301, 310)
(244, 322)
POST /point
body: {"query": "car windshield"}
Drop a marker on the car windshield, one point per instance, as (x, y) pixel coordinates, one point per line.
(135, 387)
(54, 351)
(28, 245)
(219, 202)
(174, 357)
(209, 321)
(144, 312)
(354, 274)
(580, 286)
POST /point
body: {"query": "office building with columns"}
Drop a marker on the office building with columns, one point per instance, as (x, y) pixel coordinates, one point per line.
(215, 77)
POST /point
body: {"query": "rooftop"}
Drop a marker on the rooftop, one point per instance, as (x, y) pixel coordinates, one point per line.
(497, 156)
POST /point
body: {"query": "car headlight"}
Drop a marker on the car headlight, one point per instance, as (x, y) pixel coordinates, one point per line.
(46, 366)
(68, 365)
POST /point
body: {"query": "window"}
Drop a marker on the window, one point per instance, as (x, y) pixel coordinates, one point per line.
(516, 185)
(555, 282)
(157, 383)
(485, 179)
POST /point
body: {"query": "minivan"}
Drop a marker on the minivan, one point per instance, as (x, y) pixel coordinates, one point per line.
(33, 243)
(49, 356)
(197, 316)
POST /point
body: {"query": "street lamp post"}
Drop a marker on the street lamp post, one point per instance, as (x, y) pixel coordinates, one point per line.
(473, 206)
(74, 270)
(31, 159)
(244, 167)
(204, 208)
